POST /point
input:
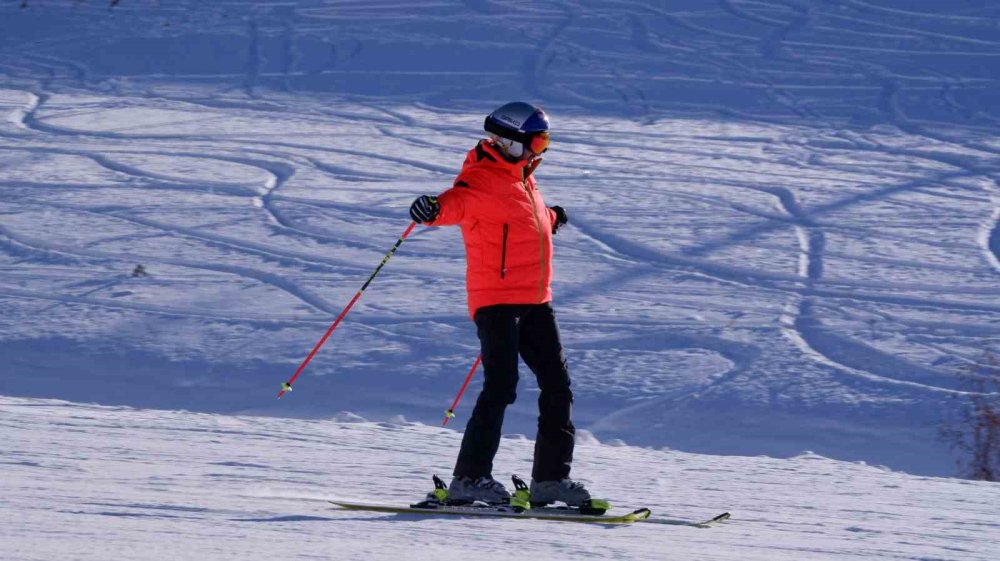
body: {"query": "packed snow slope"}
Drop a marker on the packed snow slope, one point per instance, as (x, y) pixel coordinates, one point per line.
(783, 218)
(162, 485)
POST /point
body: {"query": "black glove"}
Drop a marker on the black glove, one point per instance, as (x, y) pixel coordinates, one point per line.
(561, 217)
(424, 209)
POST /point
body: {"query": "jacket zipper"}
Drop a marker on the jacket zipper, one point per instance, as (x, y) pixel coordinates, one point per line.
(541, 240)
(503, 253)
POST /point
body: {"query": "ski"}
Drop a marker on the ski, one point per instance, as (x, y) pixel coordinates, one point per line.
(545, 513)
(703, 524)
(592, 511)
(500, 511)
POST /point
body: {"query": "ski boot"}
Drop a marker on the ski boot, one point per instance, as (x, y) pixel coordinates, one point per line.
(573, 494)
(465, 490)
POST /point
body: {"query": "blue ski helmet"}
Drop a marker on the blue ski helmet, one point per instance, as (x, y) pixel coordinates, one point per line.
(518, 125)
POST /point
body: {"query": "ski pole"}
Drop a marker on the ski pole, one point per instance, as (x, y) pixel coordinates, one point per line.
(450, 413)
(287, 386)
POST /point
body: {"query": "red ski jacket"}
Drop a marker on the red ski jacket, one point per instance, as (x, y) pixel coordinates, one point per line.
(506, 227)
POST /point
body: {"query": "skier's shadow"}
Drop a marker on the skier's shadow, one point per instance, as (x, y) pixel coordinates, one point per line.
(390, 517)
(289, 518)
(401, 517)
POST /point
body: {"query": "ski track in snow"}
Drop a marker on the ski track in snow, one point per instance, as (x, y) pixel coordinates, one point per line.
(754, 184)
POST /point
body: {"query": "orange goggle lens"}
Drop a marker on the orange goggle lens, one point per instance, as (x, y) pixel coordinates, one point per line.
(539, 142)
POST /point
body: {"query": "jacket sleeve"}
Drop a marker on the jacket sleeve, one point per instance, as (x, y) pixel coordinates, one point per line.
(454, 205)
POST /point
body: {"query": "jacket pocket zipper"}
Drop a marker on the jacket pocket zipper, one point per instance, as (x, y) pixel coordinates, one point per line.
(503, 254)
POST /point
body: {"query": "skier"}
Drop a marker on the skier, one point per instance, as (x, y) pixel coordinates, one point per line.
(508, 231)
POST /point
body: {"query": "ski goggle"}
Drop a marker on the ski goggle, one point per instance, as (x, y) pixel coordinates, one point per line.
(539, 142)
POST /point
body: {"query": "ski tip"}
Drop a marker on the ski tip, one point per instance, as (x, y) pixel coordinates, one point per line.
(642, 514)
(713, 521)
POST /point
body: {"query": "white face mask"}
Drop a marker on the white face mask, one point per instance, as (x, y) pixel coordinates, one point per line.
(512, 148)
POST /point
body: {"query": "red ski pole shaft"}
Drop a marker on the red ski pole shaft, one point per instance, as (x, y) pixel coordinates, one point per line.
(450, 413)
(287, 386)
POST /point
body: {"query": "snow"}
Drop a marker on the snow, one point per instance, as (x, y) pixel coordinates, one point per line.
(149, 484)
(784, 237)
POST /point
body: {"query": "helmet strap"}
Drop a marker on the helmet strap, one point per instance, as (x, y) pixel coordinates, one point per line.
(533, 163)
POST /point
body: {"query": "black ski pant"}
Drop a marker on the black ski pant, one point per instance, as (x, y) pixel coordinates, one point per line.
(506, 331)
